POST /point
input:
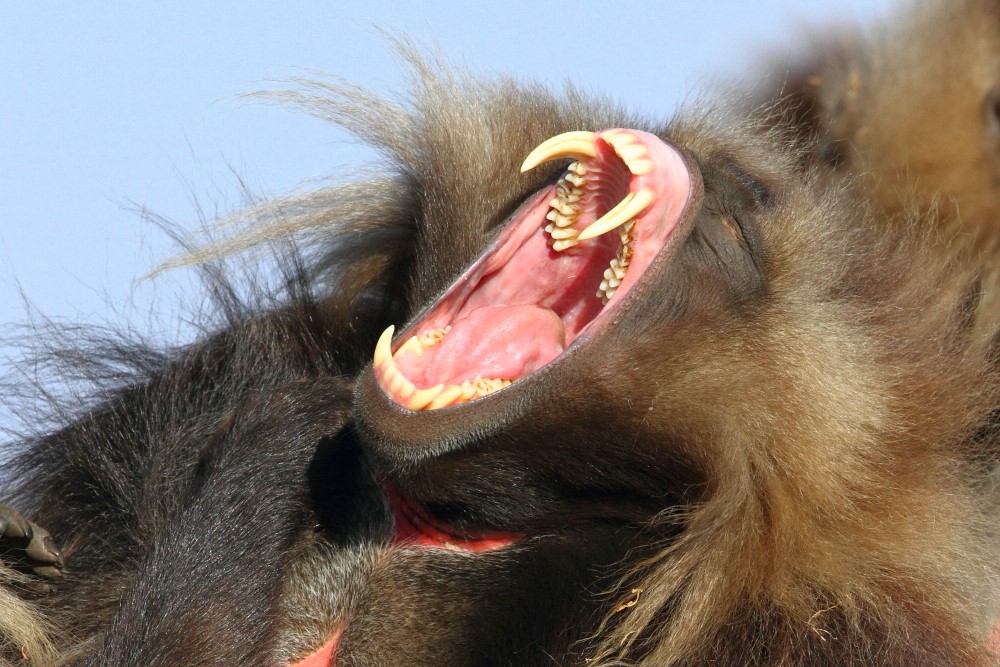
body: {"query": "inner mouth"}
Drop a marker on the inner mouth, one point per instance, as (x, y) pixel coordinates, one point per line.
(563, 262)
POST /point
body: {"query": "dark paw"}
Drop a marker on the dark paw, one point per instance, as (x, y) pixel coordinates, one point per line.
(27, 547)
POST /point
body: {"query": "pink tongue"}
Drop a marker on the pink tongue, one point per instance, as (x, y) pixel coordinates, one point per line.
(492, 342)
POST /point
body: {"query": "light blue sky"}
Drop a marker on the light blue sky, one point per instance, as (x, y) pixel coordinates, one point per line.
(107, 107)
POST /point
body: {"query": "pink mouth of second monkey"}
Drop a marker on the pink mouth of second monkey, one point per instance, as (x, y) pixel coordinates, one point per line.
(565, 260)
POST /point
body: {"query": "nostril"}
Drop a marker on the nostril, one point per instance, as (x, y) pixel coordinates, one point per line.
(991, 110)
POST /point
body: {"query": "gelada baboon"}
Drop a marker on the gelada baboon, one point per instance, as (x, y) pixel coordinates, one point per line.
(662, 395)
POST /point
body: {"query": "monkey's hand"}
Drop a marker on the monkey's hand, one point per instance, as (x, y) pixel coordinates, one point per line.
(27, 547)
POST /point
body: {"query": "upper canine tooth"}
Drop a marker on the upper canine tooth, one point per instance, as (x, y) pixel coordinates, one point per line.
(569, 144)
(627, 209)
(383, 348)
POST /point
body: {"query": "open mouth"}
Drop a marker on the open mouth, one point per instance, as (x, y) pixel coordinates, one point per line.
(563, 263)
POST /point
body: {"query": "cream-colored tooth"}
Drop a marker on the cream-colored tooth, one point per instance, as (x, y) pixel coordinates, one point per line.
(422, 397)
(614, 283)
(610, 293)
(400, 385)
(383, 348)
(609, 273)
(640, 167)
(468, 391)
(619, 274)
(446, 397)
(578, 181)
(432, 337)
(568, 144)
(411, 345)
(560, 220)
(560, 233)
(563, 207)
(631, 153)
(577, 168)
(603, 288)
(630, 207)
(564, 244)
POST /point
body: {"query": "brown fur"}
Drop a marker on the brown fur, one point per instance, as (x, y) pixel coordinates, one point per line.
(792, 453)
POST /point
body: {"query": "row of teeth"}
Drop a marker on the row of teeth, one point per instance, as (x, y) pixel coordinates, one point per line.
(615, 274)
(565, 206)
(426, 399)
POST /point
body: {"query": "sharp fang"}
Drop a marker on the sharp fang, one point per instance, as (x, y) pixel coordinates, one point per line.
(422, 397)
(627, 209)
(383, 349)
(568, 144)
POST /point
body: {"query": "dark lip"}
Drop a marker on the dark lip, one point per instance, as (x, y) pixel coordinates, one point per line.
(455, 425)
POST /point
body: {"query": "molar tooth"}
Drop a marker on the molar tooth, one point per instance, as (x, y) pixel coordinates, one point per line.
(578, 168)
(422, 397)
(560, 233)
(468, 391)
(628, 208)
(576, 180)
(559, 219)
(565, 244)
(568, 144)
(563, 207)
(432, 337)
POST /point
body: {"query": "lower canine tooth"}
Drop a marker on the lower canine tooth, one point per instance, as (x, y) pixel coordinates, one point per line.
(628, 208)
